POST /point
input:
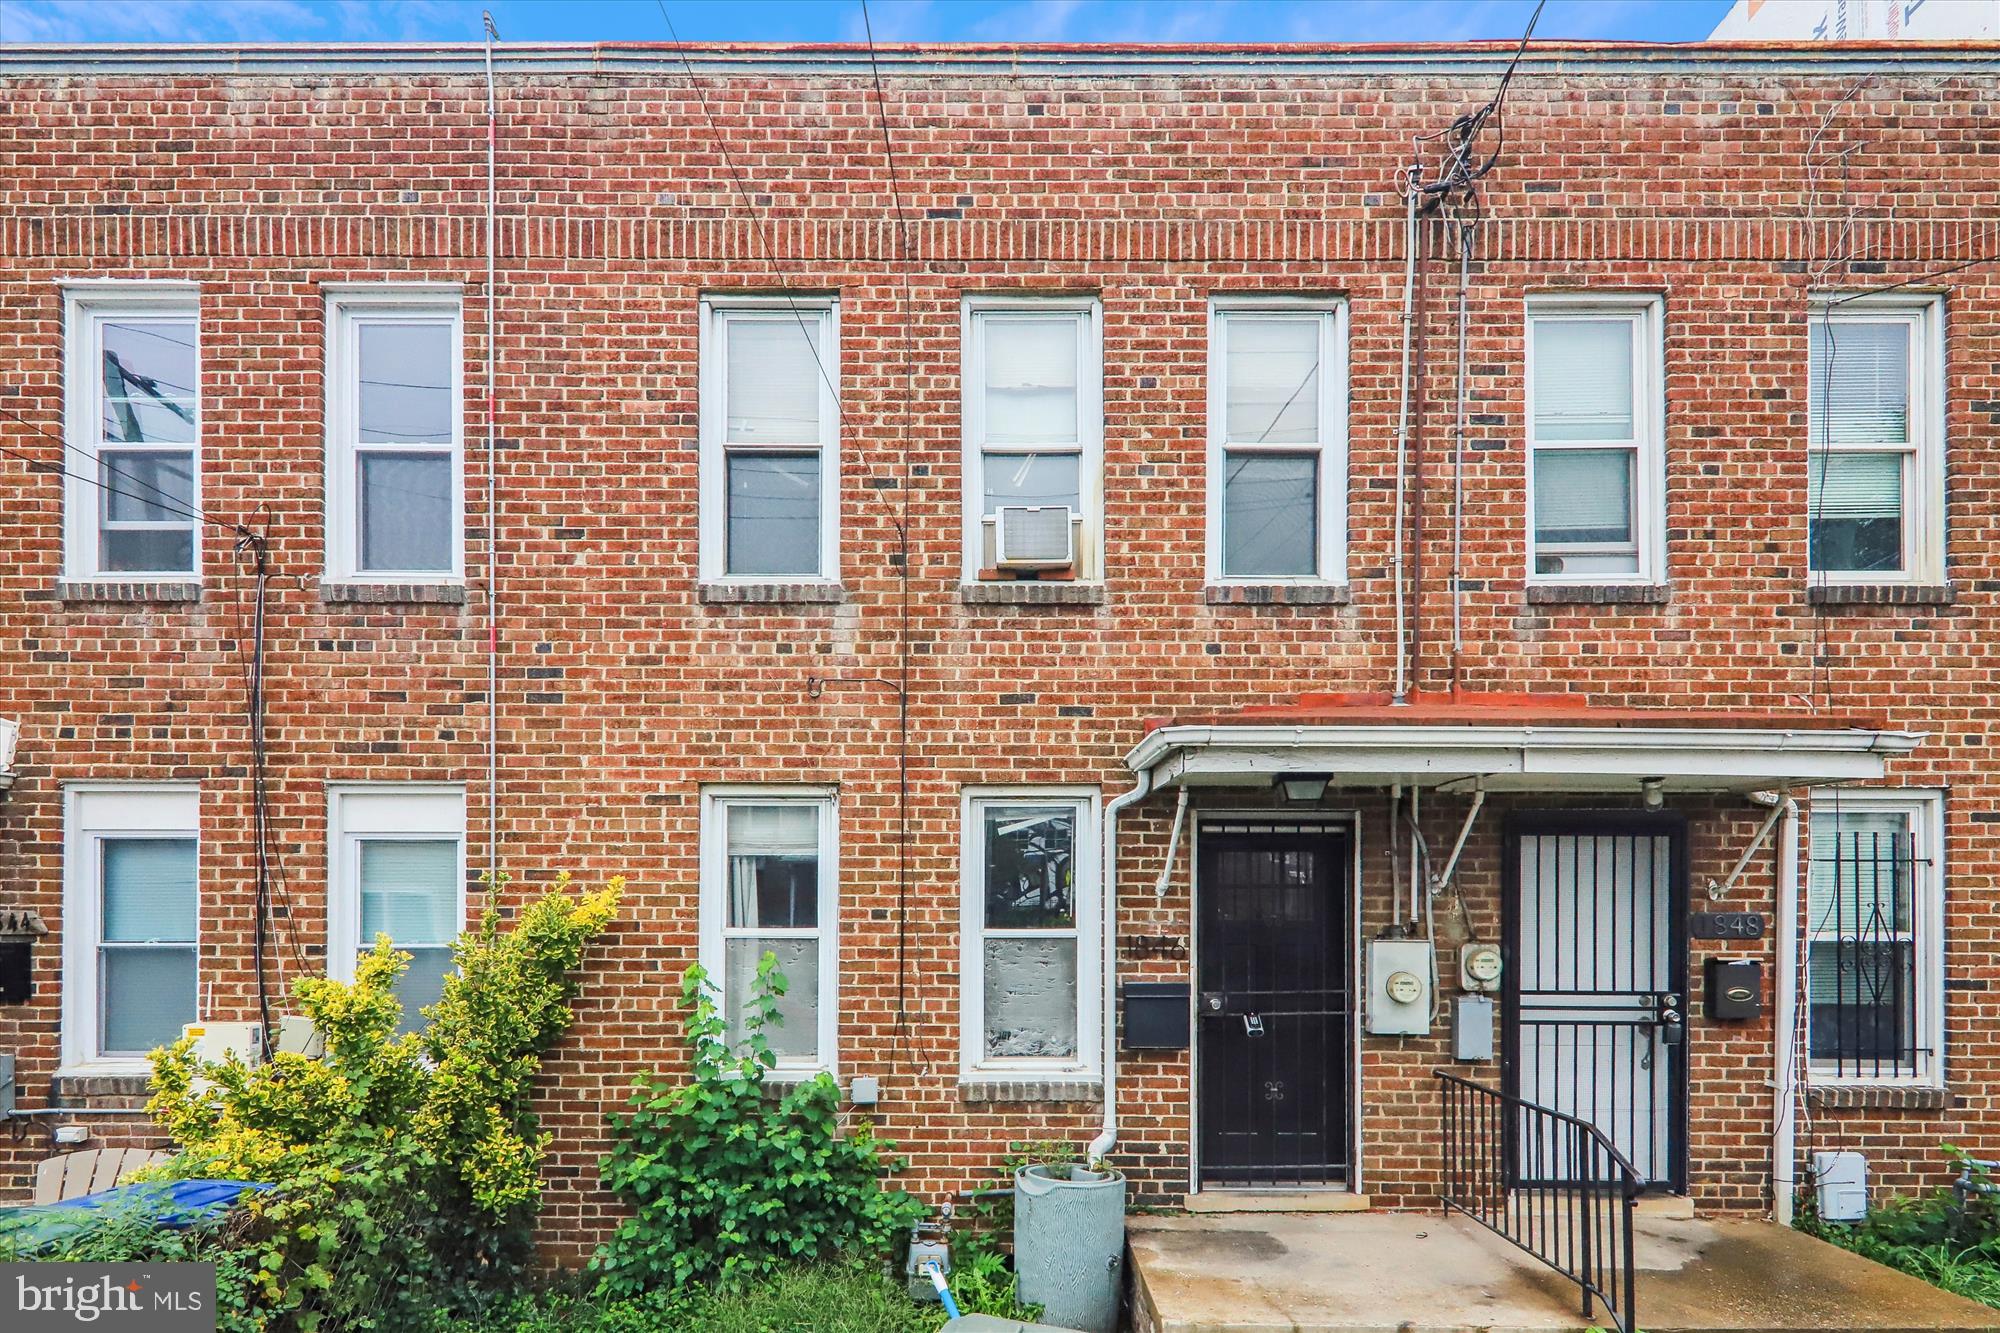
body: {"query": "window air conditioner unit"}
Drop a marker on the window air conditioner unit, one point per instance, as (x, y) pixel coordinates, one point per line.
(1034, 537)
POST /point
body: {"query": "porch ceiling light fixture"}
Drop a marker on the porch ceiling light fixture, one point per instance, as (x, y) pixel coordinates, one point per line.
(1653, 791)
(1303, 787)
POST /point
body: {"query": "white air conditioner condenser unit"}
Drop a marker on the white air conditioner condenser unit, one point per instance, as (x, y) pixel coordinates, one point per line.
(1034, 537)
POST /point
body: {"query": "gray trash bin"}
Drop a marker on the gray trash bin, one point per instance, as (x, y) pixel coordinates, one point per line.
(1069, 1244)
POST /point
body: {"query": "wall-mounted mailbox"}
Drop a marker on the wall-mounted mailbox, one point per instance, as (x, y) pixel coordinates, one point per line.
(1735, 988)
(1156, 1015)
(18, 932)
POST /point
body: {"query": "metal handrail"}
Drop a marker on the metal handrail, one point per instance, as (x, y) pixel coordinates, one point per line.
(1547, 1182)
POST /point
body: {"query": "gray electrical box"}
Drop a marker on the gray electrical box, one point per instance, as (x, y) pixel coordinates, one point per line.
(1472, 1028)
(8, 1091)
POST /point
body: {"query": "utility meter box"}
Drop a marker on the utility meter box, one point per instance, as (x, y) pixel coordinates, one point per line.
(1840, 1186)
(1399, 988)
(215, 1043)
(1479, 967)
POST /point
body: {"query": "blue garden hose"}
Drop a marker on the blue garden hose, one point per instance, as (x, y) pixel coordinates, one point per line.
(936, 1275)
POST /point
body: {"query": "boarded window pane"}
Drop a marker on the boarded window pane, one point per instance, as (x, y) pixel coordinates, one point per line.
(798, 960)
(773, 513)
(1030, 866)
(409, 891)
(147, 390)
(1031, 998)
(1583, 379)
(772, 382)
(1032, 479)
(1270, 515)
(406, 383)
(773, 866)
(1866, 364)
(149, 889)
(406, 513)
(1031, 388)
(1272, 380)
(1583, 495)
(148, 995)
(1854, 507)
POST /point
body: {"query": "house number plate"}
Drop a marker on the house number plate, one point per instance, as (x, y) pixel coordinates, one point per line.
(1726, 925)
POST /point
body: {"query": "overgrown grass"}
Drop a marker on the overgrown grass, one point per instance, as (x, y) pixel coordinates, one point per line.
(824, 1299)
(1949, 1244)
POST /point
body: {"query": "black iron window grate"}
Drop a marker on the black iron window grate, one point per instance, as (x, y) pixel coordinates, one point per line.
(1865, 923)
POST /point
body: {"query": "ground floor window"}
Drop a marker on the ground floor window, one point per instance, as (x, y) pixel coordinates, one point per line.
(1874, 921)
(397, 854)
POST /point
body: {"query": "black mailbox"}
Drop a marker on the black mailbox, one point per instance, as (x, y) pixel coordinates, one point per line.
(1735, 988)
(1156, 1015)
(17, 985)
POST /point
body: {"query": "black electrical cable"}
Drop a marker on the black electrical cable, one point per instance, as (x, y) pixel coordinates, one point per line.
(164, 500)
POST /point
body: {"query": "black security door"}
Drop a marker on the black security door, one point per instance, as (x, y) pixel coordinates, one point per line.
(1275, 996)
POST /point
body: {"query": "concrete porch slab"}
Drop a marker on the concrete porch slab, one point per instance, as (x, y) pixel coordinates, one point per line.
(1421, 1273)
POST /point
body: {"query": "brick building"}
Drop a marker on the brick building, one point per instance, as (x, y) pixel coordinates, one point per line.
(889, 557)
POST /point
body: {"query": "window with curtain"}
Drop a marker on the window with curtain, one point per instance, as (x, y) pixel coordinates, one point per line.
(147, 962)
(398, 869)
(769, 422)
(396, 446)
(1594, 445)
(1866, 440)
(136, 416)
(768, 888)
(1872, 912)
(1275, 429)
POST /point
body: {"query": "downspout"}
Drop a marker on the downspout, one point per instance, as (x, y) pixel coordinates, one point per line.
(492, 470)
(1101, 1145)
(1784, 1137)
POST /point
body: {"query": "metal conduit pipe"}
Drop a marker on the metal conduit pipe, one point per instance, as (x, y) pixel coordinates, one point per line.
(1784, 1135)
(1400, 694)
(1108, 880)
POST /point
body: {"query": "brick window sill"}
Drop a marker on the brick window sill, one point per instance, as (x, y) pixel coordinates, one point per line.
(987, 1092)
(392, 594)
(1881, 594)
(1277, 594)
(1877, 1096)
(91, 590)
(1031, 592)
(770, 594)
(1598, 594)
(81, 1086)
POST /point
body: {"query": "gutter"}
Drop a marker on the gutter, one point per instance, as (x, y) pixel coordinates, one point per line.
(1108, 881)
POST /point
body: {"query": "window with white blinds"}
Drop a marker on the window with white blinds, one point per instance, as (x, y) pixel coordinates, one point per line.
(396, 854)
(1033, 417)
(1595, 450)
(769, 887)
(1277, 459)
(770, 426)
(1874, 464)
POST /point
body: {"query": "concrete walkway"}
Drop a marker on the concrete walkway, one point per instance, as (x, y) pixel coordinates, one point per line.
(1421, 1273)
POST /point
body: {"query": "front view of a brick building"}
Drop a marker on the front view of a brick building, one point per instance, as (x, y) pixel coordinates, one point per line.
(891, 533)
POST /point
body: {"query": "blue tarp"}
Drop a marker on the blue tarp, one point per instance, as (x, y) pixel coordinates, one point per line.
(171, 1205)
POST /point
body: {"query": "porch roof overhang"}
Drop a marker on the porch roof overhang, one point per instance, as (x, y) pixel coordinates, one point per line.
(1512, 742)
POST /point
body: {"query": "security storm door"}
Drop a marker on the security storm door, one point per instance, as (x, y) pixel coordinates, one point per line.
(1274, 949)
(1595, 996)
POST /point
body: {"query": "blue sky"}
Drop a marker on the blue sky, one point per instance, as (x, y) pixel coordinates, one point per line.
(840, 20)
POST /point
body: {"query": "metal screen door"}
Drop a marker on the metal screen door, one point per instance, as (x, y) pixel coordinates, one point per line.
(1596, 980)
(1274, 943)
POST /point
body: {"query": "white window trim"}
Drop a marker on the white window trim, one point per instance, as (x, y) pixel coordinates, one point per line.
(1331, 555)
(86, 306)
(714, 906)
(345, 302)
(1927, 839)
(426, 811)
(1649, 410)
(1925, 517)
(91, 812)
(714, 522)
(974, 1065)
(1089, 312)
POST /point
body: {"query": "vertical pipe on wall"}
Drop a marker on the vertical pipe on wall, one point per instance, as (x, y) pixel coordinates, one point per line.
(1108, 888)
(492, 469)
(1401, 692)
(1785, 1035)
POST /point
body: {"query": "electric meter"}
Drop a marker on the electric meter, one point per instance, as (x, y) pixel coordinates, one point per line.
(1404, 987)
(1479, 967)
(1399, 987)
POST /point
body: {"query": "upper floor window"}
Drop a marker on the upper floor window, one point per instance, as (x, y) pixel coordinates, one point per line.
(1277, 427)
(1875, 455)
(133, 409)
(1030, 914)
(131, 974)
(1874, 936)
(1597, 473)
(770, 431)
(396, 867)
(769, 884)
(395, 463)
(1034, 435)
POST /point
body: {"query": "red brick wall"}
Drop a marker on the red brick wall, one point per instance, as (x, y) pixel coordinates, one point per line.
(620, 694)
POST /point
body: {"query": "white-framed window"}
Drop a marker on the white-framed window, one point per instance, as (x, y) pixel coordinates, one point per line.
(1030, 973)
(396, 867)
(770, 439)
(1277, 440)
(131, 922)
(1033, 384)
(132, 409)
(770, 883)
(1874, 936)
(1875, 440)
(1596, 441)
(395, 421)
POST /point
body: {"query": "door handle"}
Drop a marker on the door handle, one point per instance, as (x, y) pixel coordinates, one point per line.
(1253, 1025)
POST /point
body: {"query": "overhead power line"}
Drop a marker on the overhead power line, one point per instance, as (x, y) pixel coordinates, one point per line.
(161, 499)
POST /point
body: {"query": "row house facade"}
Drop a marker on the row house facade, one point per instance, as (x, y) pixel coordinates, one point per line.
(1169, 644)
